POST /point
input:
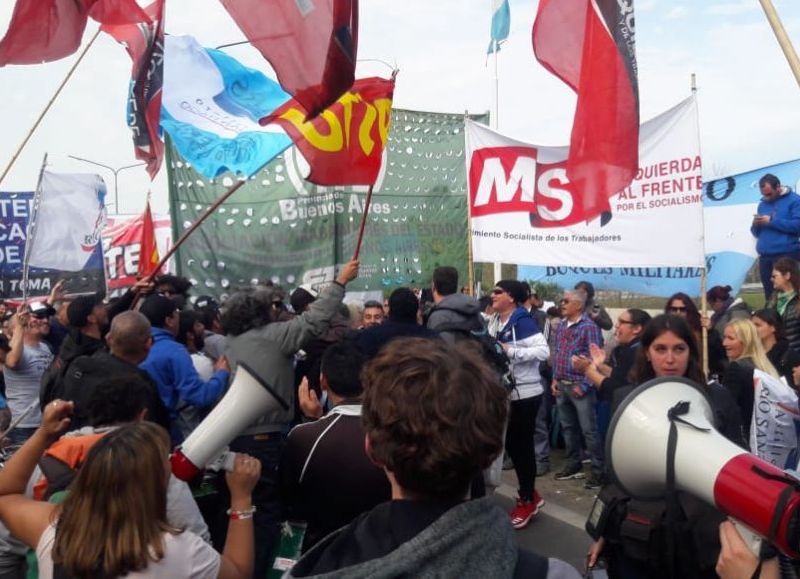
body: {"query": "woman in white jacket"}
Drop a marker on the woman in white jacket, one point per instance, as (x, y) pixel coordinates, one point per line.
(526, 348)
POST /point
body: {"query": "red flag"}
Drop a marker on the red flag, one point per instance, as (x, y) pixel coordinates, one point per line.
(311, 44)
(46, 30)
(589, 44)
(344, 144)
(148, 250)
(145, 45)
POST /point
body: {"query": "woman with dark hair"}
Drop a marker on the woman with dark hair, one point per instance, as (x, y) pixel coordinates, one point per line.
(526, 348)
(608, 376)
(786, 298)
(725, 307)
(770, 331)
(682, 305)
(639, 550)
(113, 522)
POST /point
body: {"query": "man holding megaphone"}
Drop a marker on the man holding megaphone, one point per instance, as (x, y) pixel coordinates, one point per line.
(255, 414)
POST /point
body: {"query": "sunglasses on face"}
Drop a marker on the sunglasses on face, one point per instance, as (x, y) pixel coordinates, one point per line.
(677, 309)
(498, 291)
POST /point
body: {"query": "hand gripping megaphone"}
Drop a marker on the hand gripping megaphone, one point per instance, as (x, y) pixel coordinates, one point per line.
(671, 418)
(247, 398)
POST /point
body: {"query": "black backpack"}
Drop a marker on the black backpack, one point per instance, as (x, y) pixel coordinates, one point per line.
(491, 349)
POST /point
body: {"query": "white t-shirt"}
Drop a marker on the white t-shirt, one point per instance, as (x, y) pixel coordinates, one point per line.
(186, 556)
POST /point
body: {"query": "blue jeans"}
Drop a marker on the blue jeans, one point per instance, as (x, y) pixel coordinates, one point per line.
(578, 415)
(18, 436)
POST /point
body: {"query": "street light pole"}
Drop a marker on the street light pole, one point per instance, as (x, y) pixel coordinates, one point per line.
(115, 170)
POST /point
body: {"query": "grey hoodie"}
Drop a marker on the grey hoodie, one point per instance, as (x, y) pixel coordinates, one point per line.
(455, 310)
(472, 539)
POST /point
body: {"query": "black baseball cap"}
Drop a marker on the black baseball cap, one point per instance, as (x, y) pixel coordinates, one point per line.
(206, 302)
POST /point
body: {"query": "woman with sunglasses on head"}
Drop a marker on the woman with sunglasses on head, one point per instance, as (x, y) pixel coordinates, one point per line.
(633, 534)
(786, 298)
(682, 305)
(526, 348)
(770, 331)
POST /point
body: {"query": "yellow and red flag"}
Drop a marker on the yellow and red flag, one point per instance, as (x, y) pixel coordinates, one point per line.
(148, 250)
(343, 144)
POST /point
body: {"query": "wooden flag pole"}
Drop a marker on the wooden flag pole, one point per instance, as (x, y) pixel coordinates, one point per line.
(363, 223)
(783, 38)
(704, 330)
(185, 235)
(49, 105)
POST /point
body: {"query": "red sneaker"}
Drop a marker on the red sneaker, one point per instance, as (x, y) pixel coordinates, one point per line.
(523, 513)
(538, 500)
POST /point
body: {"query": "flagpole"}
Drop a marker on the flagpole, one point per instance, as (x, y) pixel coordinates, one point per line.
(470, 263)
(31, 233)
(49, 105)
(363, 223)
(783, 38)
(185, 235)
(703, 271)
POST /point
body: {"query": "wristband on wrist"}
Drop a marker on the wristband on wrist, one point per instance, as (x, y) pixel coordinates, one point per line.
(241, 515)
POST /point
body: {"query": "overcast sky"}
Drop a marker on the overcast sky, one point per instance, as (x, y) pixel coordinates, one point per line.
(749, 101)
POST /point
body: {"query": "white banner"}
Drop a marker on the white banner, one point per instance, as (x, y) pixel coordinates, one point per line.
(776, 421)
(523, 209)
(69, 221)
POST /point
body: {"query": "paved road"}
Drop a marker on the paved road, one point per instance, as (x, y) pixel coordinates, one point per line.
(558, 529)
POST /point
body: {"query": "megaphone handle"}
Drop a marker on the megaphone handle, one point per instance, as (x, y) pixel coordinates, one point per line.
(749, 537)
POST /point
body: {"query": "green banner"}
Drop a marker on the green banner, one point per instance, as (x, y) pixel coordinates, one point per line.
(279, 227)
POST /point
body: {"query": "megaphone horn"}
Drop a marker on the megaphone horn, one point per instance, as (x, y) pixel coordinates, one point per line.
(706, 464)
(247, 398)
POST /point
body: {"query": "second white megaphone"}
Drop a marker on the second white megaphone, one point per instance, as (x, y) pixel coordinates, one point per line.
(671, 419)
(247, 398)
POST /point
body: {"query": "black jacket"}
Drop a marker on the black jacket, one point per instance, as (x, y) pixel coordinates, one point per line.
(738, 380)
(371, 340)
(621, 359)
(791, 323)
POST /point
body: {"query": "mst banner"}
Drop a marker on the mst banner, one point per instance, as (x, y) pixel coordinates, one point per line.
(521, 201)
(280, 228)
(728, 206)
(15, 214)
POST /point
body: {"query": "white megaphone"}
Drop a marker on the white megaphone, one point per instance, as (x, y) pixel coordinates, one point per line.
(751, 491)
(247, 398)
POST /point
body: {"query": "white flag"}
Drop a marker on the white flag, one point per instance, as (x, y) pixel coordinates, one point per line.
(69, 221)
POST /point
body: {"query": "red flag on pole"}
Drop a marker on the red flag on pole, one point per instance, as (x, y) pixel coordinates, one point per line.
(148, 250)
(311, 44)
(589, 44)
(46, 30)
(145, 45)
(344, 144)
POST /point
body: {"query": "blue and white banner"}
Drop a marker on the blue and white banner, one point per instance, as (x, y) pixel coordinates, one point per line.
(15, 216)
(211, 105)
(728, 207)
(501, 24)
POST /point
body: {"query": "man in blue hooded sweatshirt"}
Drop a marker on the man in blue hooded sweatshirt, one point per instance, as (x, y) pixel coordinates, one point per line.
(776, 226)
(170, 365)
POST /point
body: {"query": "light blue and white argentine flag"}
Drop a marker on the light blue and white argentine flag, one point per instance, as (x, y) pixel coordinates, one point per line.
(501, 23)
(210, 107)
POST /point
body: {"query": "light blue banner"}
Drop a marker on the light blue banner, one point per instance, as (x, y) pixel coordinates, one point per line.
(728, 203)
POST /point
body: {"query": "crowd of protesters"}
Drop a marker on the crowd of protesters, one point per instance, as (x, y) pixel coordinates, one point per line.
(399, 417)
